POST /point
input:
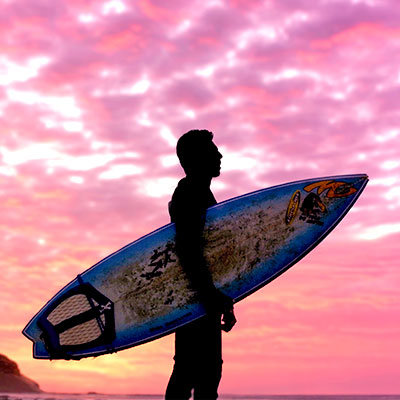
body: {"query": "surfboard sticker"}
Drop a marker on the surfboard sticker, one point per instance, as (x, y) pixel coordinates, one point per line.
(293, 207)
(312, 209)
(333, 188)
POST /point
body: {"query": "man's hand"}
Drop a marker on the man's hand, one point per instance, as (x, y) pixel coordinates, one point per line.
(229, 320)
(228, 316)
(222, 304)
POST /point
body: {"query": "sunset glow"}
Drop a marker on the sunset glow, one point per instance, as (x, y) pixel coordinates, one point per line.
(94, 95)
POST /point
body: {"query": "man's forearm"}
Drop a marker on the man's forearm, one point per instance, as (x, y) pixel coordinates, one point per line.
(192, 259)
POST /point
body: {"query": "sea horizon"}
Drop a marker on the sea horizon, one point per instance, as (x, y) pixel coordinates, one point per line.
(222, 396)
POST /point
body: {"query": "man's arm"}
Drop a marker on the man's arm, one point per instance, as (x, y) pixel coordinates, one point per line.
(189, 243)
(189, 246)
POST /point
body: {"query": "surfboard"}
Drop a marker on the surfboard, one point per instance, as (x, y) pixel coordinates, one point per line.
(140, 292)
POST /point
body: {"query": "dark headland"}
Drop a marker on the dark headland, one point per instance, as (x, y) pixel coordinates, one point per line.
(11, 379)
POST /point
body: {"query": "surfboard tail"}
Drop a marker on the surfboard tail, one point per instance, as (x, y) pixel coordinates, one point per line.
(82, 318)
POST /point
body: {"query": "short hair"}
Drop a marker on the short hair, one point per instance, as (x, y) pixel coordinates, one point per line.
(190, 144)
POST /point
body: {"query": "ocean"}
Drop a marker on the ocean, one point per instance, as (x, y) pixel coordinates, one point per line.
(89, 396)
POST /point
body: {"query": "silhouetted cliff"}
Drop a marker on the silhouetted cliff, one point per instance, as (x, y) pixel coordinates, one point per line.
(11, 379)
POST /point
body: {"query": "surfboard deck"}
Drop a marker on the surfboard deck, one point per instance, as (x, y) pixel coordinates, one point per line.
(140, 292)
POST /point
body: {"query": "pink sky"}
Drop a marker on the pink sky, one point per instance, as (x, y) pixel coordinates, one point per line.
(93, 96)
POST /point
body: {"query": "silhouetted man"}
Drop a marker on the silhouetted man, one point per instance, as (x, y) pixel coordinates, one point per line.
(198, 354)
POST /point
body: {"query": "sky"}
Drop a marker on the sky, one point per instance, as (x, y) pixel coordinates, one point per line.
(93, 96)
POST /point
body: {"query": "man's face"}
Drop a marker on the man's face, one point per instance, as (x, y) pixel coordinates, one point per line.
(212, 160)
(205, 161)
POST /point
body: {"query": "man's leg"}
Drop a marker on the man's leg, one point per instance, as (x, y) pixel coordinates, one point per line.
(209, 361)
(179, 385)
(198, 360)
(207, 382)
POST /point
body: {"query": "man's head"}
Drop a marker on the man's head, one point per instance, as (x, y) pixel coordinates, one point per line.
(198, 154)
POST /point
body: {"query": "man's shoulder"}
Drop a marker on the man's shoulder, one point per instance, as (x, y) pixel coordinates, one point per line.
(184, 190)
(187, 200)
(179, 198)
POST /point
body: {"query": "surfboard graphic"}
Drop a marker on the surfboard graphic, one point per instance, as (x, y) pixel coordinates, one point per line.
(140, 292)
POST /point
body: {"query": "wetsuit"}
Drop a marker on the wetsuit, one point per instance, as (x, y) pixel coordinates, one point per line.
(198, 356)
